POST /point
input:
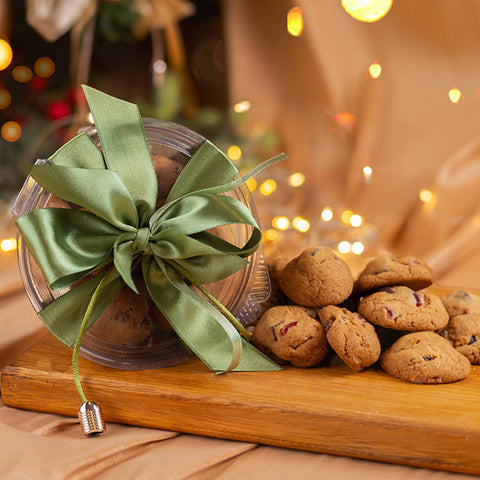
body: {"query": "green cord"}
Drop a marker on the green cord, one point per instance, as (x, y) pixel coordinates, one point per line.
(81, 331)
(186, 274)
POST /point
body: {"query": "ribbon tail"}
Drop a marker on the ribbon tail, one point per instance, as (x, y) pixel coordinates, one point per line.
(200, 326)
(64, 315)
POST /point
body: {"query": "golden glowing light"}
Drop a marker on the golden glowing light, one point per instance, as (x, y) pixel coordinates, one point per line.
(345, 120)
(295, 21)
(234, 153)
(367, 171)
(90, 118)
(5, 99)
(44, 67)
(242, 107)
(327, 214)
(22, 74)
(367, 10)
(301, 224)
(270, 235)
(356, 220)
(280, 223)
(251, 184)
(345, 216)
(344, 246)
(426, 195)
(268, 187)
(455, 95)
(11, 131)
(296, 179)
(6, 54)
(8, 244)
(375, 70)
(358, 248)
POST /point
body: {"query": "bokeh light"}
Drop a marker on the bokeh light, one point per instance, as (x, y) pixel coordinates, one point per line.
(242, 107)
(426, 195)
(327, 214)
(345, 216)
(301, 224)
(251, 184)
(295, 21)
(455, 95)
(234, 153)
(90, 118)
(8, 244)
(358, 248)
(356, 220)
(344, 246)
(374, 70)
(367, 10)
(11, 131)
(5, 99)
(296, 179)
(345, 120)
(6, 54)
(22, 74)
(280, 223)
(268, 187)
(270, 235)
(44, 67)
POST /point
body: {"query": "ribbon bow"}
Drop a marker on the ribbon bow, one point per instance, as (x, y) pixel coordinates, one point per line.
(119, 227)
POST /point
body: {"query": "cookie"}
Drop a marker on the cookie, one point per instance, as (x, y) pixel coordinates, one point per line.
(387, 270)
(461, 302)
(463, 332)
(401, 308)
(424, 357)
(316, 278)
(291, 334)
(353, 338)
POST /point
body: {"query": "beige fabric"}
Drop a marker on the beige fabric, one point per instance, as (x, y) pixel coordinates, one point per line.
(406, 127)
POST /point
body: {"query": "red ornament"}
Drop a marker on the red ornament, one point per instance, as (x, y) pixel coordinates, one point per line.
(38, 84)
(58, 109)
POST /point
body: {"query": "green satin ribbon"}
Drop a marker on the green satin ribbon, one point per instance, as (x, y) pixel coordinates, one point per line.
(117, 187)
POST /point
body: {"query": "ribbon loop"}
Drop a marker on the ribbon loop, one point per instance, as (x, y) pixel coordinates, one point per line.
(141, 243)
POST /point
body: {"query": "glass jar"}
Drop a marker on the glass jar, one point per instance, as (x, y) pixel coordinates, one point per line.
(112, 341)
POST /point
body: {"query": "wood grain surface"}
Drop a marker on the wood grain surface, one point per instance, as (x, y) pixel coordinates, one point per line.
(331, 409)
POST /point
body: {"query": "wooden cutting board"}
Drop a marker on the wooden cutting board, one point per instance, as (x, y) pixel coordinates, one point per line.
(332, 409)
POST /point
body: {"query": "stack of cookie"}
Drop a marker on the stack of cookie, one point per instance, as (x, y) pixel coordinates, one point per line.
(385, 316)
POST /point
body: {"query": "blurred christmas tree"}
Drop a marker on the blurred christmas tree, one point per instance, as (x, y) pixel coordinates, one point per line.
(174, 70)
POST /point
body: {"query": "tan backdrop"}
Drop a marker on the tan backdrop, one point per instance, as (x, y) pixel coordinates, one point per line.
(406, 128)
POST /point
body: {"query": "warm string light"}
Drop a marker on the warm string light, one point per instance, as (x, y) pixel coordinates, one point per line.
(242, 107)
(367, 10)
(374, 70)
(5, 99)
(8, 245)
(296, 179)
(295, 21)
(346, 120)
(44, 67)
(11, 131)
(234, 153)
(367, 173)
(6, 54)
(22, 74)
(268, 187)
(455, 95)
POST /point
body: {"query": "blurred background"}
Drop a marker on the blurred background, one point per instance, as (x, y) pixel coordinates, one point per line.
(376, 103)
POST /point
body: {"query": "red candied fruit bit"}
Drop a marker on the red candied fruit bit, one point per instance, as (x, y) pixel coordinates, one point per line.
(389, 312)
(418, 299)
(285, 329)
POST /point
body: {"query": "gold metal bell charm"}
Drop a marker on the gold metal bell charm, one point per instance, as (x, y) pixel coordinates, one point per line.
(91, 418)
